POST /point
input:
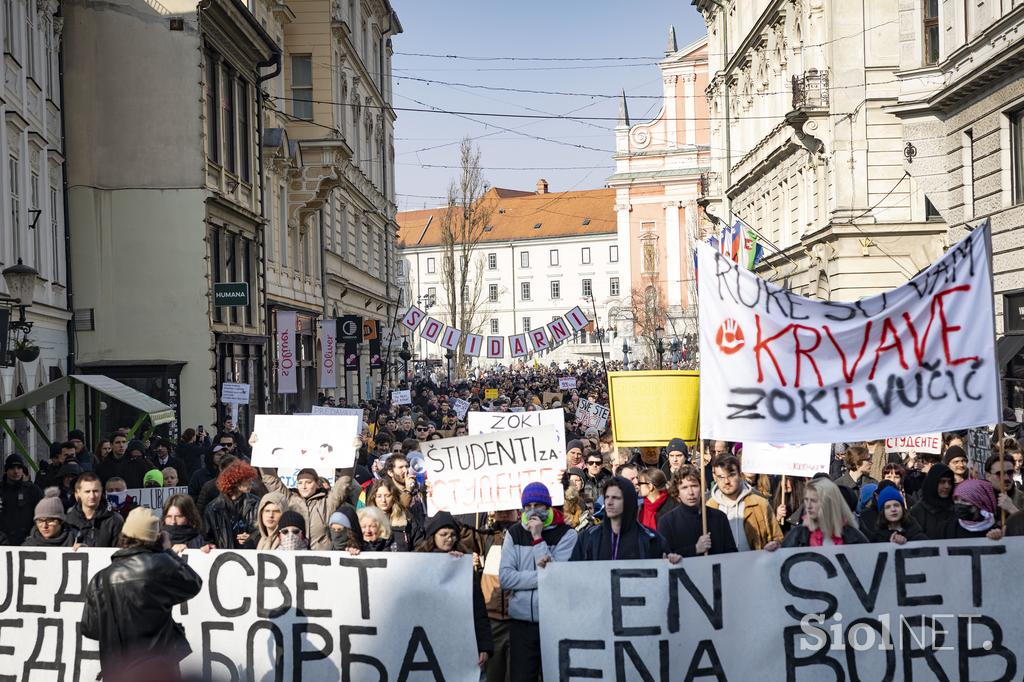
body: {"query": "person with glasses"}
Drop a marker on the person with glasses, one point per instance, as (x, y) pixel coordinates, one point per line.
(656, 501)
(422, 430)
(50, 528)
(752, 521)
(291, 532)
(595, 475)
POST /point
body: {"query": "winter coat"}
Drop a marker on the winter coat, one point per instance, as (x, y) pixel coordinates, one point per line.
(651, 512)
(102, 530)
(108, 468)
(267, 539)
(17, 507)
(175, 463)
(407, 537)
(800, 536)
(519, 555)
(201, 476)
(933, 513)
(909, 529)
(66, 538)
(128, 607)
(846, 481)
(481, 542)
(634, 540)
(380, 545)
(184, 535)
(192, 455)
(760, 525)
(225, 518)
(317, 508)
(681, 529)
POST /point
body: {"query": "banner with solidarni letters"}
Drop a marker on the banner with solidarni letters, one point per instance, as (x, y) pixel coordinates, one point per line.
(777, 367)
(495, 347)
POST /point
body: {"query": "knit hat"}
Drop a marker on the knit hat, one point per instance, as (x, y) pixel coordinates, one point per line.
(76, 434)
(977, 492)
(578, 444)
(141, 524)
(677, 444)
(575, 471)
(50, 507)
(292, 519)
(888, 495)
(866, 491)
(441, 520)
(308, 473)
(15, 460)
(536, 493)
(153, 476)
(340, 519)
(592, 432)
(953, 452)
(135, 445)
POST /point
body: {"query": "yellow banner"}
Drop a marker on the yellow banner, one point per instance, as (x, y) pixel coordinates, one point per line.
(651, 408)
(490, 393)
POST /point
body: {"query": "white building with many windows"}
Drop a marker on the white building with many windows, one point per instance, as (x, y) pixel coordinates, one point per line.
(542, 255)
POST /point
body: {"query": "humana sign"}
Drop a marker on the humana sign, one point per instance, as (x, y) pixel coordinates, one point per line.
(231, 293)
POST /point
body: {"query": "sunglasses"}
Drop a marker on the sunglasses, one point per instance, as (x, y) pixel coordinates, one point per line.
(422, 428)
(290, 531)
(594, 464)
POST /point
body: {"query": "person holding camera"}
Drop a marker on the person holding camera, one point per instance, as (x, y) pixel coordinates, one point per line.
(231, 517)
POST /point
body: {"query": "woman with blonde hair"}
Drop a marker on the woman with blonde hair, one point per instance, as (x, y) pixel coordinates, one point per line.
(376, 529)
(405, 526)
(828, 520)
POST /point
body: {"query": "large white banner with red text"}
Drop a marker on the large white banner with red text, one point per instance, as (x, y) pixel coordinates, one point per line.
(778, 367)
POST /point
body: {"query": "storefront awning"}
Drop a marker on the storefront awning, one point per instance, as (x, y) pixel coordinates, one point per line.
(1008, 347)
(158, 412)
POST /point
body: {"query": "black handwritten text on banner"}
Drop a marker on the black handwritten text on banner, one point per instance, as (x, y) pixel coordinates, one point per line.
(778, 367)
(286, 616)
(861, 612)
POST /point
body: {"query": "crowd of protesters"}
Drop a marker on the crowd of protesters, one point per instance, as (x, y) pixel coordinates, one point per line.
(669, 503)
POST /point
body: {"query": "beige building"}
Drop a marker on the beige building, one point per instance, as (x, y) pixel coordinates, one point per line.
(165, 198)
(805, 149)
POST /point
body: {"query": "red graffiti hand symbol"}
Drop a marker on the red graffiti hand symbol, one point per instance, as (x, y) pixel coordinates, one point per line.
(729, 338)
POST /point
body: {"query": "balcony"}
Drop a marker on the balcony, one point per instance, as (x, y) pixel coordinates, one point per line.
(810, 91)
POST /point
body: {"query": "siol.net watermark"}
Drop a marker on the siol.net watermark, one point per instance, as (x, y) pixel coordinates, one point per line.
(937, 632)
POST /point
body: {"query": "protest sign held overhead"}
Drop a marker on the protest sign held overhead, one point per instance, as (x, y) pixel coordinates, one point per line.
(787, 459)
(460, 407)
(401, 397)
(488, 472)
(929, 442)
(286, 616)
(591, 415)
(777, 367)
(486, 422)
(651, 408)
(299, 441)
(566, 383)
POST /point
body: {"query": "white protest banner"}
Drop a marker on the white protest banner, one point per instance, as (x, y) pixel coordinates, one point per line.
(353, 411)
(460, 407)
(566, 383)
(401, 397)
(591, 415)
(286, 370)
(319, 441)
(488, 472)
(154, 498)
(288, 616)
(328, 354)
(929, 442)
(945, 610)
(488, 422)
(234, 393)
(787, 459)
(778, 367)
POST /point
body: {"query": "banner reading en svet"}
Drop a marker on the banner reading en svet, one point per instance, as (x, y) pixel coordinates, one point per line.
(944, 610)
(286, 616)
(488, 472)
(778, 367)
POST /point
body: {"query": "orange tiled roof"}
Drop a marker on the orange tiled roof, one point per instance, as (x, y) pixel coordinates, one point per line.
(560, 214)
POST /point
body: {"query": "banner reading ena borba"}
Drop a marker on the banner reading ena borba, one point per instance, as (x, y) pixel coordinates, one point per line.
(778, 367)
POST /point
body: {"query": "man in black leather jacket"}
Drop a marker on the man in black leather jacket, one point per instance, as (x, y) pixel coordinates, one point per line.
(128, 605)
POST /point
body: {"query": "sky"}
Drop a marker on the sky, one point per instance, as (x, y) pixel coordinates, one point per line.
(576, 154)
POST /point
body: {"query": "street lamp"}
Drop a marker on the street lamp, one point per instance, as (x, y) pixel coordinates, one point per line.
(660, 348)
(21, 284)
(625, 354)
(449, 356)
(405, 355)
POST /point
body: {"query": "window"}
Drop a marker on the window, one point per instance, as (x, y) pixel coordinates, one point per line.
(524, 291)
(930, 212)
(494, 326)
(282, 204)
(1017, 155)
(212, 109)
(56, 242)
(10, 22)
(400, 268)
(526, 324)
(492, 292)
(553, 257)
(556, 289)
(231, 146)
(613, 253)
(13, 172)
(613, 286)
(931, 32)
(302, 86)
(432, 294)
(244, 131)
(30, 43)
(585, 255)
(431, 266)
(588, 288)
(492, 261)
(33, 204)
(524, 259)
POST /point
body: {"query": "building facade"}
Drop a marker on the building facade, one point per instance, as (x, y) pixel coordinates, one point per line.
(166, 199)
(658, 169)
(961, 101)
(805, 149)
(32, 187)
(542, 254)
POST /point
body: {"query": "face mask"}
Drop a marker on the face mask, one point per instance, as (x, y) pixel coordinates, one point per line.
(117, 499)
(966, 512)
(339, 539)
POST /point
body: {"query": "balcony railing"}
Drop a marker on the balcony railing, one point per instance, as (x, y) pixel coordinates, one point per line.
(810, 91)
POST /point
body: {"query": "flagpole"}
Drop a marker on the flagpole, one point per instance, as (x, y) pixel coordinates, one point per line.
(703, 500)
(1002, 479)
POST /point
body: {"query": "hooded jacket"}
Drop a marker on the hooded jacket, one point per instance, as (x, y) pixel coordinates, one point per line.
(909, 529)
(133, 468)
(18, 500)
(269, 540)
(681, 529)
(519, 555)
(201, 476)
(758, 524)
(633, 541)
(102, 530)
(225, 518)
(933, 513)
(317, 508)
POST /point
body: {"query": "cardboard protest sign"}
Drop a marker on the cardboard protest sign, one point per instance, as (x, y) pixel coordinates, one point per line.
(929, 442)
(352, 411)
(591, 415)
(787, 459)
(945, 610)
(488, 472)
(565, 383)
(401, 397)
(651, 408)
(551, 397)
(487, 422)
(286, 616)
(294, 442)
(460, 407)
(154, 498)
(778, 367)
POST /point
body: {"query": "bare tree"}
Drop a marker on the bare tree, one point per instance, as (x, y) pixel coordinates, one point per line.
(467, 213)
(649, 313)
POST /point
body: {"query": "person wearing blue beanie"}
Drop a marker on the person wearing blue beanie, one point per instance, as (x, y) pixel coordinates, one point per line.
(894, 523)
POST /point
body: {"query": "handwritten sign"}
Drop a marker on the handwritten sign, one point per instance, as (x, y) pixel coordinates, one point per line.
(930, 442)
(488, 422)
(787, 459)
(485, 473)
(154, 498)
(352, 411)
(460, 407)
(401, 397)
(591, 415)
(565, 383)
(291, 441)
(234, 393)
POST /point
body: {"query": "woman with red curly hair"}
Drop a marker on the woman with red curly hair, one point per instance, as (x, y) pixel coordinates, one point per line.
(231, 517)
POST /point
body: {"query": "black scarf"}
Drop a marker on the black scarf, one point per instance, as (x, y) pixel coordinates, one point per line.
(181, 535)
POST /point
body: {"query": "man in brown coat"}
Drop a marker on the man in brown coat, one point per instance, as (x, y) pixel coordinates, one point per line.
(751, 518)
